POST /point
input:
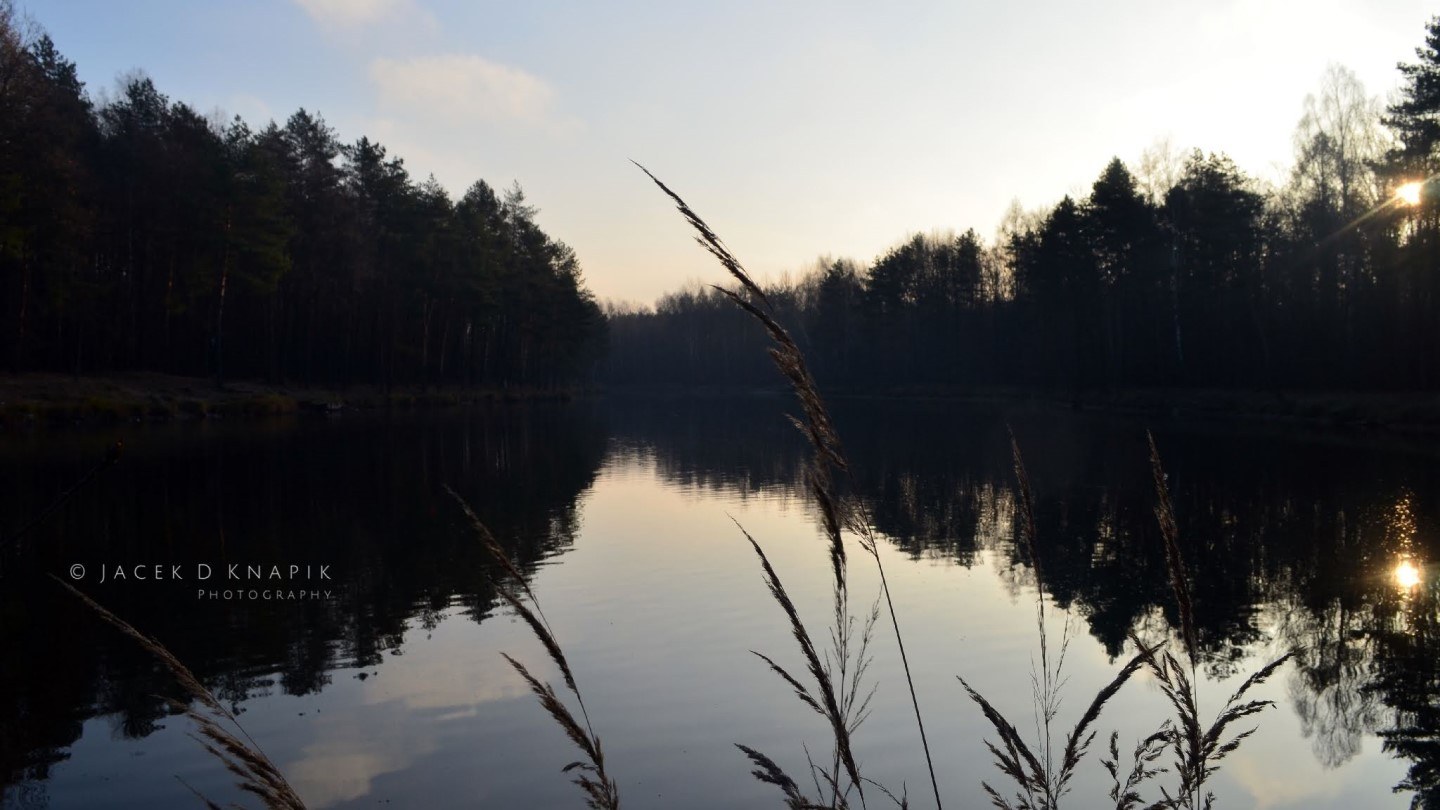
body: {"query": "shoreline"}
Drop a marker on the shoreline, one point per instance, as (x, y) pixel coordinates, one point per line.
(1361, 410)
(1400, 412)
(44, 400)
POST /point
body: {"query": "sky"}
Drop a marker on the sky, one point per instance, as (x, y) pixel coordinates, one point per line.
(796, 129)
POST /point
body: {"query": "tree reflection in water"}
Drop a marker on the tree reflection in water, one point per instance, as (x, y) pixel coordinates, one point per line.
(1295, 540)
(363, 495)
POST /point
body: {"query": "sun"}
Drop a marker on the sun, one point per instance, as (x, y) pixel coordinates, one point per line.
(1409, 193)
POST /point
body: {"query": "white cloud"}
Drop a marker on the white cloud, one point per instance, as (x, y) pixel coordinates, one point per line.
(346, 757)
(352, 13)
(463, 87)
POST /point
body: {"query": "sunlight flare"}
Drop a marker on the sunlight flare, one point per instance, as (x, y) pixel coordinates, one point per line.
(1407, 574)
(1409, 193)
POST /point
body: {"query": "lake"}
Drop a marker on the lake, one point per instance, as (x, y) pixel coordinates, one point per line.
(381, 682)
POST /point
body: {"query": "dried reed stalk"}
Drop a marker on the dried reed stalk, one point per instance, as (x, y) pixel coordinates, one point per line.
(1174, 559)
(1196, 747)
(825, 699)
(1126, 795)
(224, 736)
(1042, 781)
(601, 791)
(837, 512)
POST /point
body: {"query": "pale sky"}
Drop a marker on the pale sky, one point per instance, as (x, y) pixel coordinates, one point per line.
(796, 129)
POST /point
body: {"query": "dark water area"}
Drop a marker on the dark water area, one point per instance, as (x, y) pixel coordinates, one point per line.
(381, 679)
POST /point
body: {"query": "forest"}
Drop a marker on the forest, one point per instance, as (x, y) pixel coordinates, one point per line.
(1181, 272)
(138, 234)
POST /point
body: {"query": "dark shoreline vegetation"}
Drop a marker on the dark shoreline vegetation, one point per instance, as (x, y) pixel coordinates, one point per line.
(139, 236)
(1181, 273)
(51, 400)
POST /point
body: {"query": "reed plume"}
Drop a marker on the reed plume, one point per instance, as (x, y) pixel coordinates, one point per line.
(837, 513)
(767, 771)
(1126, 794)
(833, 698)
(601, 791)
(1174, 559)
(1197, 748)
(223, 735)
(1041, 778)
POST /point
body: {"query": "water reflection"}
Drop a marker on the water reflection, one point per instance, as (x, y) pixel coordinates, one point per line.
(1310, 541)
(1407, 574)
(1306, 541)
(364, 496)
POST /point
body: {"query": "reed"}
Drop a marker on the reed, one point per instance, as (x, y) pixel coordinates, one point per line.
(835, 695)
(1197, 748)
(838, 512)
(1041, 777)
(1126, 795)
(601, 791)
(221, 733)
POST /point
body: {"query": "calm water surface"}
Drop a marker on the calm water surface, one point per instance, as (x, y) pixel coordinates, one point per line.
(390, 690)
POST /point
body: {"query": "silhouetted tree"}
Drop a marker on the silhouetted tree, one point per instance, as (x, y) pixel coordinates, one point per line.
(144, 236)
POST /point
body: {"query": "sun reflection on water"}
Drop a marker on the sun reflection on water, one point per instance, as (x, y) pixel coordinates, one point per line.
(1407, 574)
(1400, 536)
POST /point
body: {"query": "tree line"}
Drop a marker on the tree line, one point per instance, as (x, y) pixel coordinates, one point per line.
(139, 235)
(1184, 271)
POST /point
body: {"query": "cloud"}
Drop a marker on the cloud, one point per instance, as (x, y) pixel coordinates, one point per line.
(356, 13)
(465, 88)
(346, 757)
